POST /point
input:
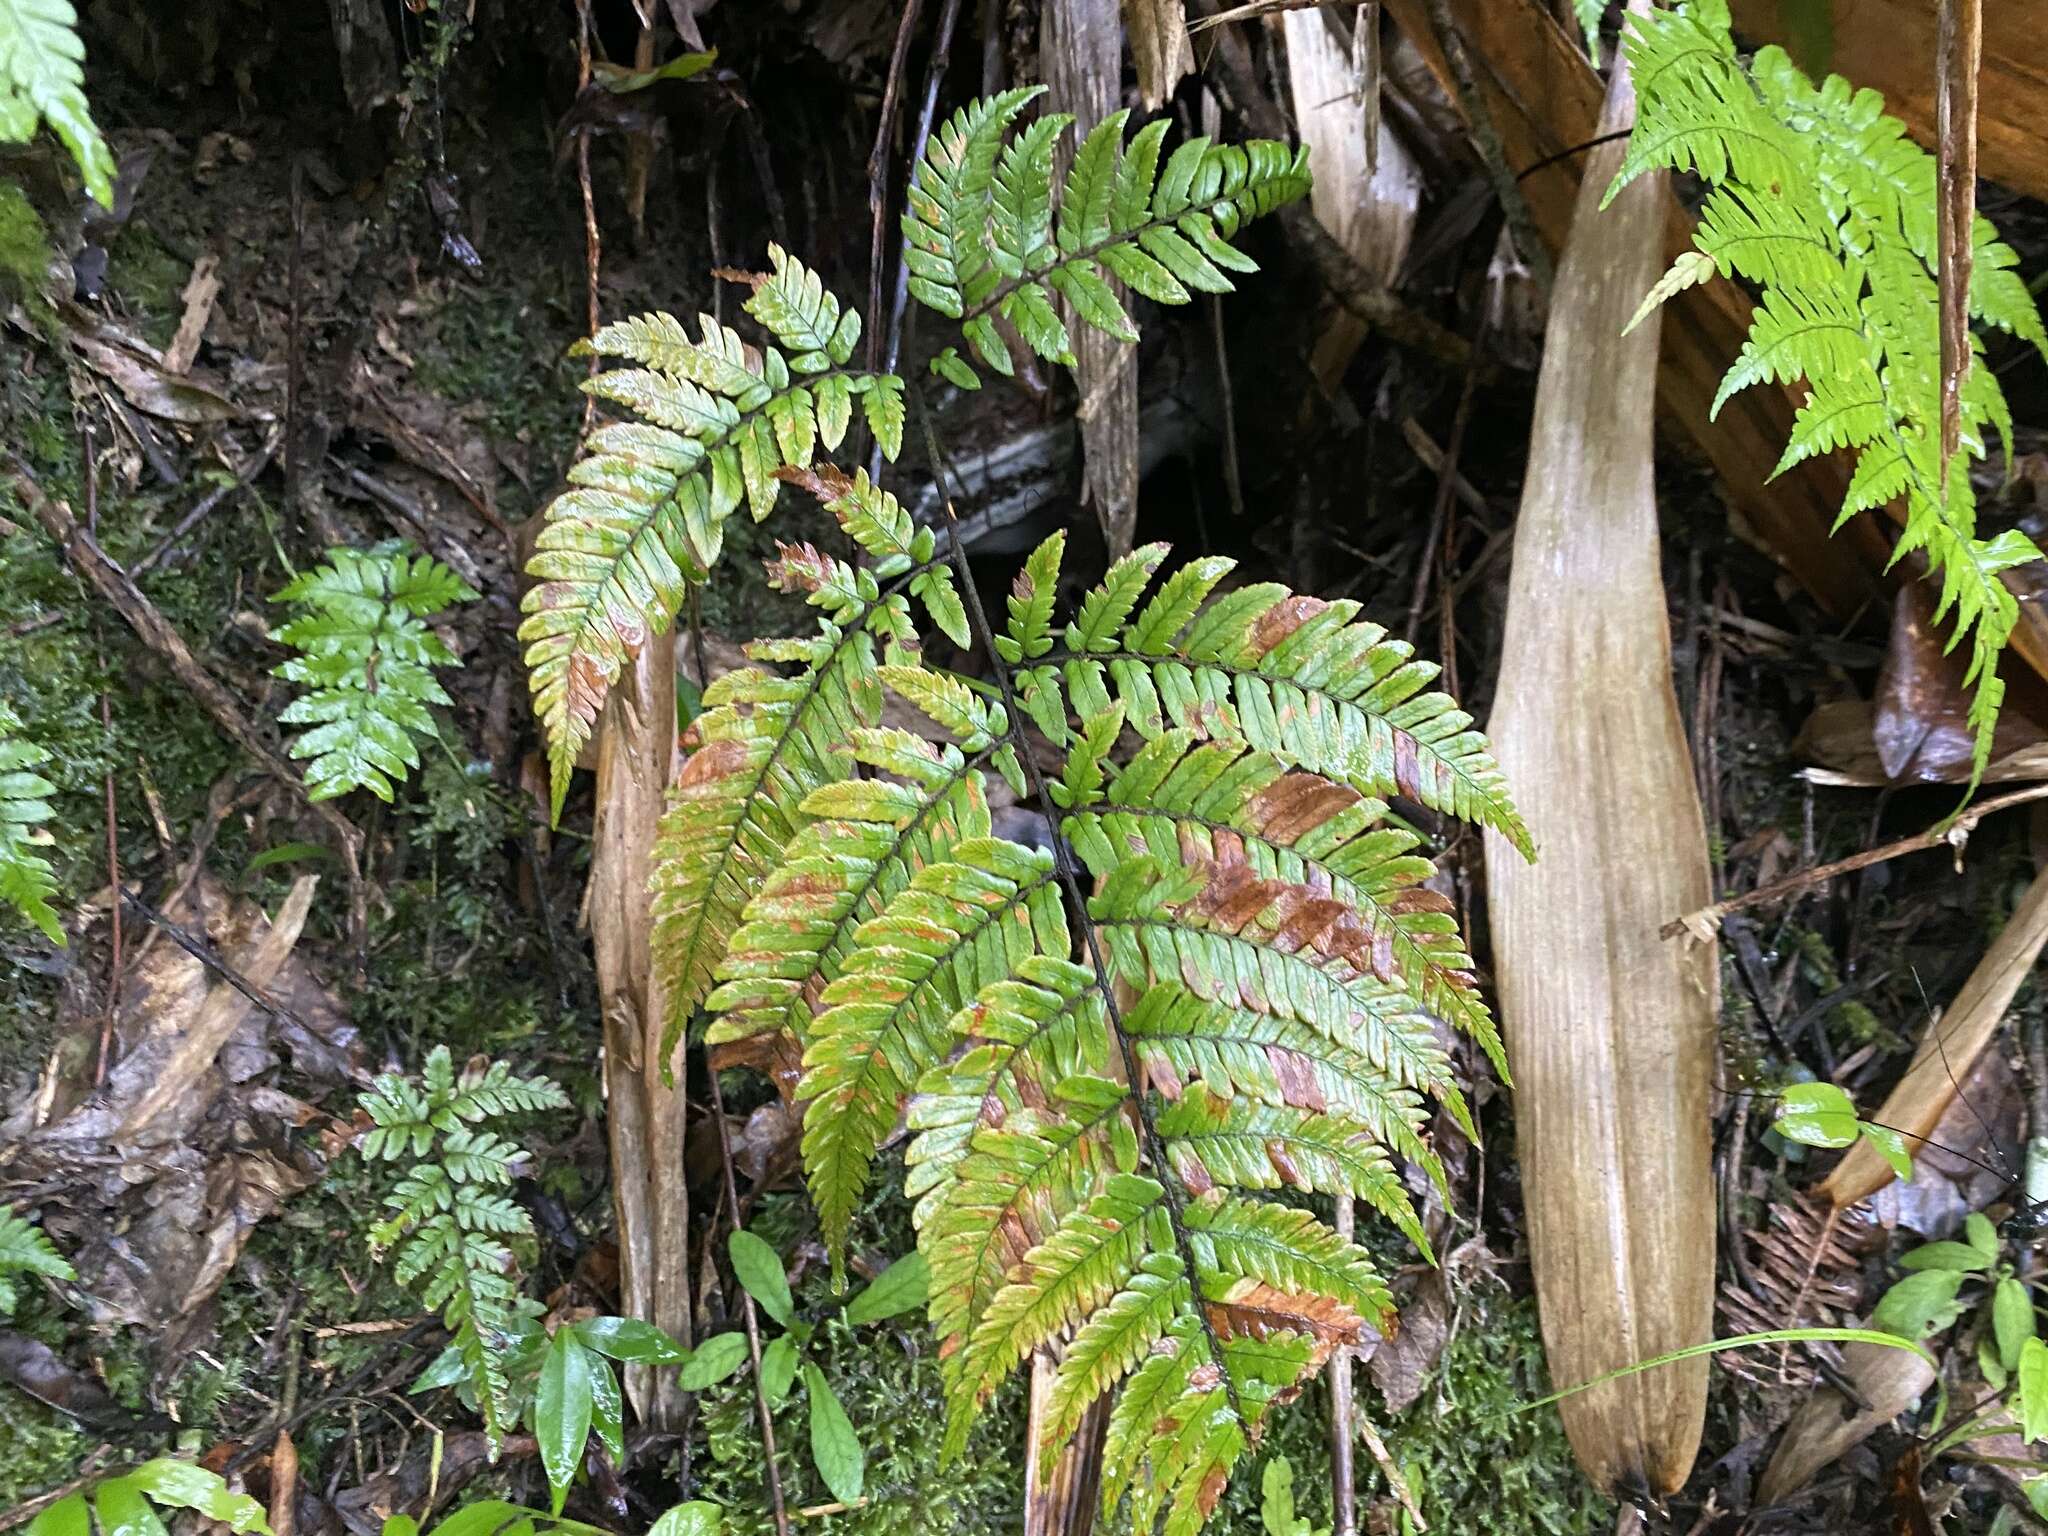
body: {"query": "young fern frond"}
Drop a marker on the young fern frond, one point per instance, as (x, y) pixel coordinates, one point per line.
(366, 658)
(986, 239)
(449, 1218)
(27, 882)
(25, 1250)
(720, 422)
(1822, 202)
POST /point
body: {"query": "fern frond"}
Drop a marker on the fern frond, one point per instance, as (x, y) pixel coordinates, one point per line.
(723, 423)
(42, 79)
(1825, 204)
(450, 1226)
(26, 1250)
(1111, 1343)
(1218, 1140)
(367, 661)
(985, 237)
(27, 880)
(1220, 802)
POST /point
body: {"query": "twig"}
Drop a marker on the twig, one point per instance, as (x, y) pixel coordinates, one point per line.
(1954, 832)
(295, 356)
(593, 249)
(113, 584)
(253, 466)
(1343, 1490)
(878, 172)
(89, 1471)
(1392, 1471)
(90, 471)
(1958, 49)
(942, 50)
(732, 1206)
(1446, 487)
(1233, 478)
(204, 952)
(1486, 138)
(1254, 9)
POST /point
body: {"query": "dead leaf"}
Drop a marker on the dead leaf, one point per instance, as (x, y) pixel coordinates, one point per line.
(1610, 1029)
(152, 389)
(1402, 1366)
(1160, 51)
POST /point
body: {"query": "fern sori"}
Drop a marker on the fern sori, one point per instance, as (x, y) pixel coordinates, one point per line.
(451, 1222)
(985, 238)
(27, 882)
(1822, 202)
(24, 1250)
(366, 658)
(1277, 954)
(42, 79)
(649, 500)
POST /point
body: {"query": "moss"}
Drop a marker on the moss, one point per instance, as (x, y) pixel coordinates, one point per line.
(24, 250)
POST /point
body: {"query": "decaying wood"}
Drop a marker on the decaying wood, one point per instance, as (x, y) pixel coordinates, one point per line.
(1371, 211)
(1610, 1031)
(1949, 1048)
(1080, 53)
(1545, 101)
(635, 762)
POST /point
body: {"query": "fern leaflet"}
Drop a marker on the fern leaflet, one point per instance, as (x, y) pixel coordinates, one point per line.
(27, 882)
(42, 79)
(24, 1250)
(366, 658)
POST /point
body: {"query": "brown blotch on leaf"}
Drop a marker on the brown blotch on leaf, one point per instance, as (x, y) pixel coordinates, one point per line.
(1282, 620)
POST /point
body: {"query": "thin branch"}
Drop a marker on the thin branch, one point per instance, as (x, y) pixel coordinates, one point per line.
(1486, 138)
(732, 1206)
(1955, 832)
(593, 249)
(878, 172)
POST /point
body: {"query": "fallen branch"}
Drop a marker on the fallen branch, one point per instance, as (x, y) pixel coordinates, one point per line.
(150, 626)
(1705, 922)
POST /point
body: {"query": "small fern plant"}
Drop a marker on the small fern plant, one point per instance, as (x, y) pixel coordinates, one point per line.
(365, 656)
(1224, 979)
(452, 1221)
(1823, 204)
(27, 882)
(25, 1250)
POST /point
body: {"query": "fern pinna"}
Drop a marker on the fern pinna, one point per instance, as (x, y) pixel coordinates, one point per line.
(1822, 202)
(1104, 1083)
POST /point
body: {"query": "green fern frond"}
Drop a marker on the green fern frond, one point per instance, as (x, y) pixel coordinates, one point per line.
(986, 239)
(723, 423)
(1823, 202)
(25, 1250)
(366, 658)
(449, 1228)
(763, 745)
(42, 79)
(1270, 921)
(27, 880)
